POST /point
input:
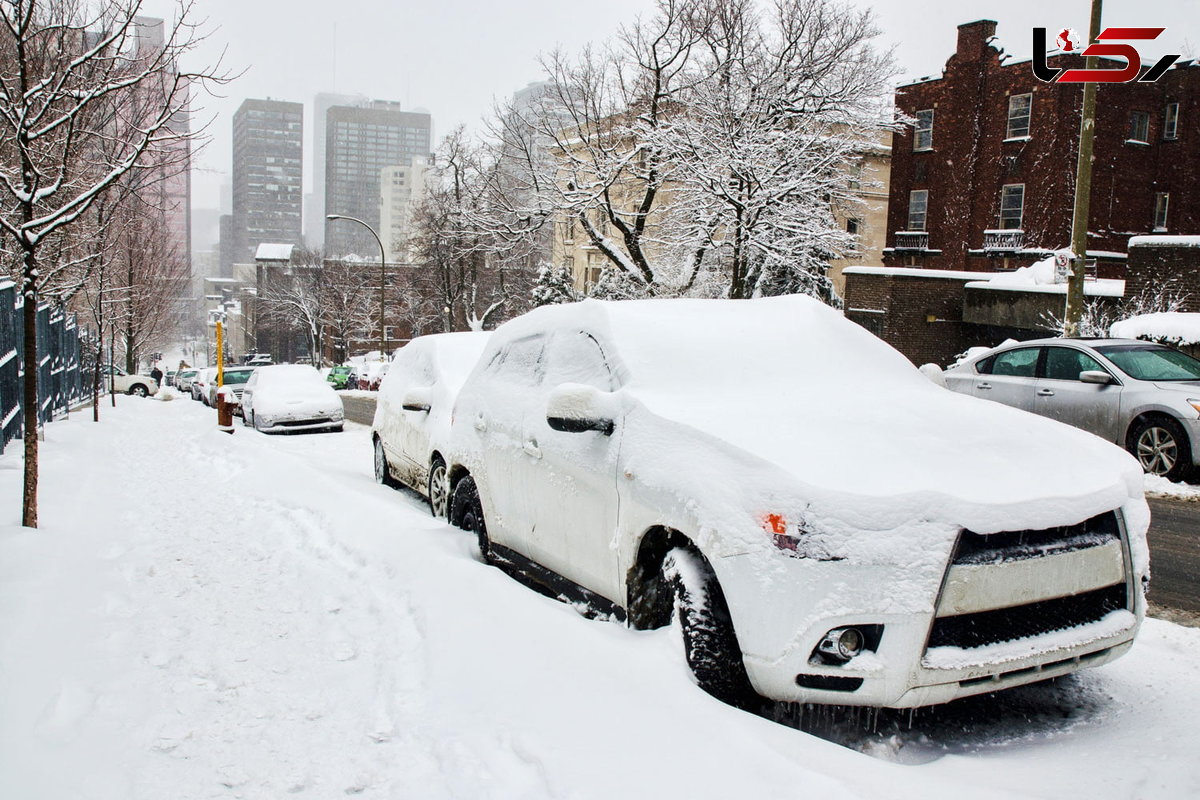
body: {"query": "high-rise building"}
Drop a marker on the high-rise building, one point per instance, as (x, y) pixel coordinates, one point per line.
(267, 188)
(360, 142)
(314, 202)
(401, 189)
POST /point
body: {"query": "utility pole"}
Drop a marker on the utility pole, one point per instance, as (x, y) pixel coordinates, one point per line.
(1083, 189)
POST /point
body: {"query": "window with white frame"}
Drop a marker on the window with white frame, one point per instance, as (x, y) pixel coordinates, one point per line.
(1161, 200)
(1139, 127)
(1171, 121)
(1019, 108)
(923, 133)
(918, 205)
(1012, 206)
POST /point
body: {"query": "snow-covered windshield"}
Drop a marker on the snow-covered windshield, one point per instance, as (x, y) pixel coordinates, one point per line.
(1151, 363)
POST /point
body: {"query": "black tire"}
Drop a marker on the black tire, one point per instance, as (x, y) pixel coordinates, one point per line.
(438, 489)
(1161, 447)
(466, 512)
(139, 390)
(383, 472)
(709, 641)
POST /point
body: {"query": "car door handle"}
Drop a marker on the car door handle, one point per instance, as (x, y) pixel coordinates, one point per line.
(984, 385)
(531, 448)
(480, 423)
(1045, 393)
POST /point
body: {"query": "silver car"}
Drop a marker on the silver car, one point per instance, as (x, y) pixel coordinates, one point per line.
(1142, 396)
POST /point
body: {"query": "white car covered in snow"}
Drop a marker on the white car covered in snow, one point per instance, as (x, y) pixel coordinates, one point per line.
(290, 397)
(830, 526)
(122, 381)
(412, 413)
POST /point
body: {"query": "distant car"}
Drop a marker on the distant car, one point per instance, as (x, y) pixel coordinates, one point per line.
(290, 397)
(183, 380)
(412, 413)
(370, 374)
(259, 360)
(338, 376)
(122, 381)
(826, 524)
(1144, 397)
(235, 378)
(201, 383)
(170, 377)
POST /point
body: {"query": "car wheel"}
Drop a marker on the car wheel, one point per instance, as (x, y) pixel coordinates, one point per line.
(439, 489)
(383, 472)
(138, 390)
(709, 641)
(466, 512)
(1161, 446)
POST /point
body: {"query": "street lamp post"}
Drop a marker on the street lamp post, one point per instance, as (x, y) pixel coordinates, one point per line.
(383, 350)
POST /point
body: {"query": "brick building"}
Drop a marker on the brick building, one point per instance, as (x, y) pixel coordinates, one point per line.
(984, 183)
(985, 179)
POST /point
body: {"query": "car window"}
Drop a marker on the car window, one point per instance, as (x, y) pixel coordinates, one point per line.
(1151, 363)
(1021, 363)
(578, 358)
(1065, 363)
(521, 361)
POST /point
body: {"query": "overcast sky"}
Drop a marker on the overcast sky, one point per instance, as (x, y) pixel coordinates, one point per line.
(453, 57)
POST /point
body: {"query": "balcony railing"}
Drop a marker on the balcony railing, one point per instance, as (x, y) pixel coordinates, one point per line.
(912, 240)
(1011, 239)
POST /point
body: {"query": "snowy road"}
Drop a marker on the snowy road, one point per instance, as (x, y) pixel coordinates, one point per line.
(250, 616)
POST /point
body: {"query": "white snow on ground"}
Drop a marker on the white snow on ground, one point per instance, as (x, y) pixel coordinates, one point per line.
(205, 615)
(1157, 486)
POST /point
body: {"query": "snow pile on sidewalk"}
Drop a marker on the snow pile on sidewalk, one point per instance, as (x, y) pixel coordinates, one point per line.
(1172, 327)
(205, 615)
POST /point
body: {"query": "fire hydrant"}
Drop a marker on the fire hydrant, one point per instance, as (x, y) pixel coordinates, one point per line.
(226, 400)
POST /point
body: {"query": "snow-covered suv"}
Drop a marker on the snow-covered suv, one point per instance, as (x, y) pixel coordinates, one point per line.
(122, 381)
(829, 525)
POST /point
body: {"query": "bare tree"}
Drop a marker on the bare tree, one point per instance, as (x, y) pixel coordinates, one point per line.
(68, 71)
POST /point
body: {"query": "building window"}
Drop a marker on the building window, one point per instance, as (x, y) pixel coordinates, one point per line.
(923, 135)
(569, 264)
(853, 226)
(918, 203)
(1012, 206)
(1019, 106)
(1161, 199)
(1139, 127)
(1171, 121)
(569, 232)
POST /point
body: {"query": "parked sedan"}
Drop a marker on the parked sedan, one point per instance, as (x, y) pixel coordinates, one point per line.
(339, 376)
(183, 381)
(828, 524)
(1144, 397)
(412, 414)
(233, 377)
(201, 383)
(290, 397)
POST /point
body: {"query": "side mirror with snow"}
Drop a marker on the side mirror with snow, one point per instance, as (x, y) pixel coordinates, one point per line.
(1095, 376)
(577, 408)
(418, 398)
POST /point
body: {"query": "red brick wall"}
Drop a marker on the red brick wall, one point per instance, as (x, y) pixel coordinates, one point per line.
(921, 316)
(971, 161)
(1170, 268)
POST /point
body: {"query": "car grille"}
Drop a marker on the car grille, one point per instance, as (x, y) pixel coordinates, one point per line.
(1005, 546)
(292, 423)
(1066, 601)
(1007, 624)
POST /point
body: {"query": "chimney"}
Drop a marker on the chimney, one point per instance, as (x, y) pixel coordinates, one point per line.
(973, 37)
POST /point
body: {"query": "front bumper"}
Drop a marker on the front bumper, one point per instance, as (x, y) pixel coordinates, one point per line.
(985, 624)
(306, 422)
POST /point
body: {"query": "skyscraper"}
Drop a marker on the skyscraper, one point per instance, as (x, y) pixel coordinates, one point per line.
(314, 203)
(359, 143)
(267, 188)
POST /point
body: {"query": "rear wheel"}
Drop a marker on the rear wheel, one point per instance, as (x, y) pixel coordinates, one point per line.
(439, 489)
(138, 390)
(466, 512)
(709, 641)
(383, 472)
(1161, 447)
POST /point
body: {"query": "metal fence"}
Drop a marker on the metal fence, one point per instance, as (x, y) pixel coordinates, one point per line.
(60, 377)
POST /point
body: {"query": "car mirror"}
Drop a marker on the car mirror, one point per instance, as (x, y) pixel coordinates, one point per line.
(1095, 376)
(576, 408)
(417, 399)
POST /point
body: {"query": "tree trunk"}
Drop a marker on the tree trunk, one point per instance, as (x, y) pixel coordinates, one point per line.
(29, 508)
